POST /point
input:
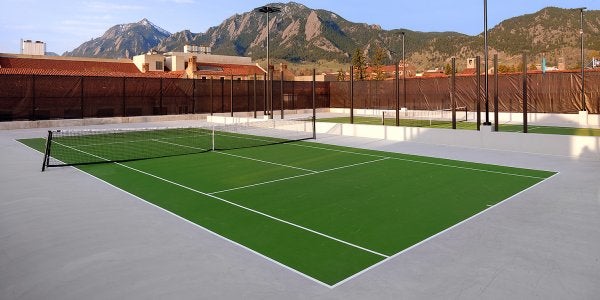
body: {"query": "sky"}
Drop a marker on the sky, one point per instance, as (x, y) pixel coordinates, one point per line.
(66, 24)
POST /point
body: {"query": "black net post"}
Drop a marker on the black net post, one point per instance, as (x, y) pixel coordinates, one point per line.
(478, 75)
(496, 119)
(351, 95)
(453, 93)
(47, 151)
(524, 92)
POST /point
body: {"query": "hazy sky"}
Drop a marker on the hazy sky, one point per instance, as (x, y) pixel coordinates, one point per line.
(65, 24)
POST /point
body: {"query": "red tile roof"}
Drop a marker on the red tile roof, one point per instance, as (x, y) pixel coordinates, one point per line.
(61, 66)
(214, 69)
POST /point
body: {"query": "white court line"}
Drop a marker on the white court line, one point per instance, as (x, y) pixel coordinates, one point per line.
(297, 176)
(423, 162)
(237, 205)
(135, 141)
(244, 157)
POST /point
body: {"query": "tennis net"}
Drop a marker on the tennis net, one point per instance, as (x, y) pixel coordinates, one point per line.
(79, 147)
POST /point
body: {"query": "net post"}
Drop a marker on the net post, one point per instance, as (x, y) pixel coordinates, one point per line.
(496, 119)
(46, 160)
(213, 137)
(314, 105)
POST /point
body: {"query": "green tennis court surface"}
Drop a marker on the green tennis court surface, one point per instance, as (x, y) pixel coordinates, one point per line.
(327, 212)
(465, 125)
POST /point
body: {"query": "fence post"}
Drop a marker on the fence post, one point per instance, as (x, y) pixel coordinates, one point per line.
(123, 100)
(211, 97)
(314, 105)
(397, 81)
(453, 93)
(496, 118)
(161, 97)
(351, 95)
(254, 90)
(281, 81)
(193, 95)
(33, 104)
(231, 95)
(478, 74)
(524, 92)
(81, 100)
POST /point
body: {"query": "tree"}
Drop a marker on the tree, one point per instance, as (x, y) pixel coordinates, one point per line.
(448, 69)
(341, 75)
(359, 63)
(377, 63)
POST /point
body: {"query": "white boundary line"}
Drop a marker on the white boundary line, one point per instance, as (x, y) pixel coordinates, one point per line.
(440, 233)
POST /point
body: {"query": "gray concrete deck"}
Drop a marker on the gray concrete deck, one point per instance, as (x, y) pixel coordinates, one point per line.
(67, 235)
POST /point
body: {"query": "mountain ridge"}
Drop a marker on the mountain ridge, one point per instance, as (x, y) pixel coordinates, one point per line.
(300, 34)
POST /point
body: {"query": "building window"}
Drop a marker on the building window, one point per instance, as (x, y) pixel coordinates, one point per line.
(159, 65)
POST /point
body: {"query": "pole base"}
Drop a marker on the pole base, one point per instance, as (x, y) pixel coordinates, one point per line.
(487, 124)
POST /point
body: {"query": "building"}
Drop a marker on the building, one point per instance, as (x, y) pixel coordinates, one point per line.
(29, 47)
(199, 63)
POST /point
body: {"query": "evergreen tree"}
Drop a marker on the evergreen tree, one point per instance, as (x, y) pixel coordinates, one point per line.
(448, 69)
(341, 76)
(359, 63)
(377, 63)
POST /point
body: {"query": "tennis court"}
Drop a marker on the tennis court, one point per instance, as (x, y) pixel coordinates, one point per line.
(464, 125)
(326, 212)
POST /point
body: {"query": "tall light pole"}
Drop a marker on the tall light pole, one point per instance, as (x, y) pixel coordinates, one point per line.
(267, 10)
(485, 65)
(581, 9)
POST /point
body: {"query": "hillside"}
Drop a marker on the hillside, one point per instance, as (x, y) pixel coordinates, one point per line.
(301, 36)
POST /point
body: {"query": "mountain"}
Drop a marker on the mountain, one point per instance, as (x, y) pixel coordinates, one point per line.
(300, 34)
(123, 41)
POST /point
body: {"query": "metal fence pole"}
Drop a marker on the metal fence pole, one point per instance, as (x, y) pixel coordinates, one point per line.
(33, 104)
(314, 103)
(524, 92)
(231, 96)
(397, 81)
(211, 96)
(478, 74)
(254, 90)
(351, 95)
(453, 93)
(496, 118)
(81, 100)
(281, 82)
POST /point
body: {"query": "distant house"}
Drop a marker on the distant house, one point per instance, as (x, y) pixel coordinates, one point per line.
(198, 63)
